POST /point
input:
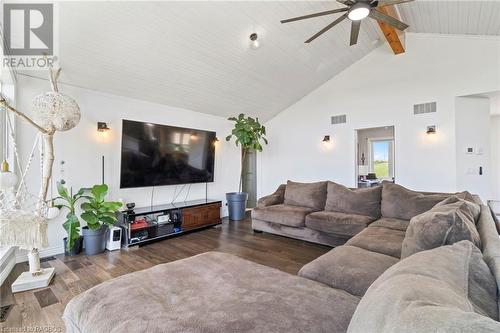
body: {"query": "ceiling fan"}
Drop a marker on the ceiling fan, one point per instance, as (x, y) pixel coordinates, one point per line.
(356, 11)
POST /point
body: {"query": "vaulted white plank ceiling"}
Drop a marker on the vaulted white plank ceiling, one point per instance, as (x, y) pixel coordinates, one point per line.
(195, 55)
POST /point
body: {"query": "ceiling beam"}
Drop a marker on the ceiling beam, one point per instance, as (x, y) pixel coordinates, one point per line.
(394, 37)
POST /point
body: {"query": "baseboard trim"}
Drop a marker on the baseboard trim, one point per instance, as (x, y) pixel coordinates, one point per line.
(10, 259)
(22, 255)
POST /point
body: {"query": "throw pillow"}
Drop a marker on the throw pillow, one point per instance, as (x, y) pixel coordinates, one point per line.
(401, 203)
(311, 195)
(365, 201)
(442, 225)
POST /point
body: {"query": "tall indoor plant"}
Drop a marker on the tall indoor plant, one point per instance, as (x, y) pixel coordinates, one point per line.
(99, 214)
(73, 242)
(250, 134)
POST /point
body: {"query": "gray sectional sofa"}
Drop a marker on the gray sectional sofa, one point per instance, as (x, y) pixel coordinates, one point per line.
(424, 263)
(330, 214)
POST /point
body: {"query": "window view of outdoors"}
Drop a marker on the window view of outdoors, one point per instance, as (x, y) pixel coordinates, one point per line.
(381, 159)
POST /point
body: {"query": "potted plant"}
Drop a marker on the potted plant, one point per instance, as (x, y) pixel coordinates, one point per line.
(72, 243)
(248, 133)
(99, 214)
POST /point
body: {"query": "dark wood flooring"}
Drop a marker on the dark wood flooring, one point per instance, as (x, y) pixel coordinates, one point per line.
(41, 310)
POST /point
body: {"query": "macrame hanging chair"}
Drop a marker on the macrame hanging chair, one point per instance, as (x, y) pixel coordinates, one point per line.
(23, 215)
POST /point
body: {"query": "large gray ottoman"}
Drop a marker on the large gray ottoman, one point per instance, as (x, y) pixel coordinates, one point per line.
(210, 292)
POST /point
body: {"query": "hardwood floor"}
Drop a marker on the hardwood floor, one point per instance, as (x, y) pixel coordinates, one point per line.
(41, 310)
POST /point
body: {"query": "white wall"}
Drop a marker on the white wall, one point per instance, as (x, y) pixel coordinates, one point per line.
(380, 90)
(495, 103)
(495, 156)
(82, 147)
(472, 120)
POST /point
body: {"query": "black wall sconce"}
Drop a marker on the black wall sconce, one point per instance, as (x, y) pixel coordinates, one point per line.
(102, 127)
(431, 129)
(326, 139)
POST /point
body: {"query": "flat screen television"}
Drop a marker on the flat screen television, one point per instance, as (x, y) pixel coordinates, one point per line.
(154, 155)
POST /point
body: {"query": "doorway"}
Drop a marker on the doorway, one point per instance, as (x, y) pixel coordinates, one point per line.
(249, 181)
(375, 156)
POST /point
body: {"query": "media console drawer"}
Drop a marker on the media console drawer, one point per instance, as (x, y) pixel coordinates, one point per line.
(196, 217)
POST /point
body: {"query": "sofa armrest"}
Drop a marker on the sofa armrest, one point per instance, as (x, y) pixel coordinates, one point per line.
(278, 197)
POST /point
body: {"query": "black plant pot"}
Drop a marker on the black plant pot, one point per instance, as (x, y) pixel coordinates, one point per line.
(94, 240)
(77, 247)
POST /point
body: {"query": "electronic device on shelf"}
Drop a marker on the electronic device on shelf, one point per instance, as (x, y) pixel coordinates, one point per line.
(114, 240)
(139, 236)
(130, 206)
(139, 224)
(162, 219)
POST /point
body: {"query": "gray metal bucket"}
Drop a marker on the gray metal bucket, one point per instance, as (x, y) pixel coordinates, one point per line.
(94, 241)
(236, 204)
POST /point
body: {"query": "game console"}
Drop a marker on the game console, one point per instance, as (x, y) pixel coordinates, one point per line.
(163, 219)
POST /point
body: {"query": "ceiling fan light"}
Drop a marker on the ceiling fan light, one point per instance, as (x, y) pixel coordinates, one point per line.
(359, 11)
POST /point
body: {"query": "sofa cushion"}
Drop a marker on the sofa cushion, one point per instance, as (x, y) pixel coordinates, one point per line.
(472, 209)
(293, 216)
(210, 292)
(273, 199)
(303, 233)
(402, 203)
(447, 289)
(490, 243)
(442, 225)
(348, 268)
(466, 195)
(365, 201)
(396, 224)
(379, 239)
(311, 195)
(338, 223)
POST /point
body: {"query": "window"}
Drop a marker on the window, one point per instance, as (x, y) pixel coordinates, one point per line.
(382, 158)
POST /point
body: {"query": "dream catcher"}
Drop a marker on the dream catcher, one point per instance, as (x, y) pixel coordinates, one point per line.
(24, 215)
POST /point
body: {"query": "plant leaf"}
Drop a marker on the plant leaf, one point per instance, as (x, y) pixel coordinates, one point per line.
(107, 219)
(63, 192)
(72, 227)
(79, 193)
(99, 191)
(89, 217)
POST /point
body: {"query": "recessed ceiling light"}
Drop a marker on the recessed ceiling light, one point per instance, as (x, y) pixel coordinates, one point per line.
(254, 41)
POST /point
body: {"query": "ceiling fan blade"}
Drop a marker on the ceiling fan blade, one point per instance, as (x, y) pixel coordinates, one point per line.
(355, 25)
(328, 27)
(347, 2)
(382, 3)
(379, 16)
(328, 12)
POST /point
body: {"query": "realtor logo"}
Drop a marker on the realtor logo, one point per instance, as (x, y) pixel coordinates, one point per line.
(28, 29)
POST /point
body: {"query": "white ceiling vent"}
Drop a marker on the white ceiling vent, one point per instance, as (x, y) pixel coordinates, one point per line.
(340, 119)
(424, 108)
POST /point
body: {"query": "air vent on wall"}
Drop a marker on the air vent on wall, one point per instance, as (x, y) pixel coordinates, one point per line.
(425, 108)
(340, 119)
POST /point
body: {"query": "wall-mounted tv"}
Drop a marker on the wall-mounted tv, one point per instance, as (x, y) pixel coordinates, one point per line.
(155, 155)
